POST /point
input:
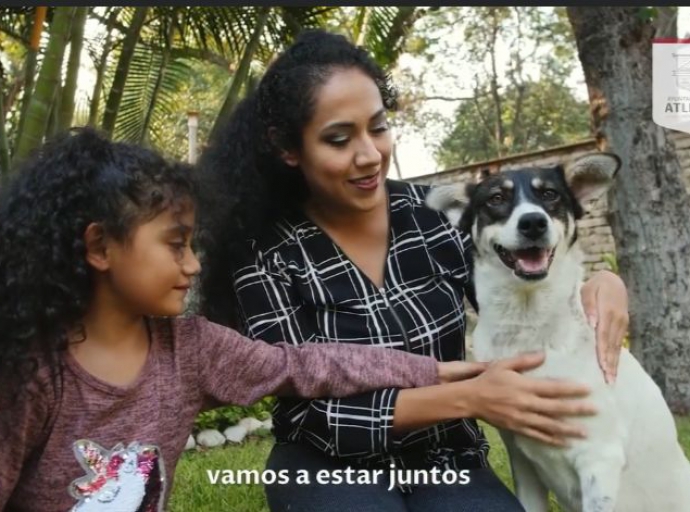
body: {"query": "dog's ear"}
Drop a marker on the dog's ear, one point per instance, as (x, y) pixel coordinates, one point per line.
(452, 200)
(591, 175)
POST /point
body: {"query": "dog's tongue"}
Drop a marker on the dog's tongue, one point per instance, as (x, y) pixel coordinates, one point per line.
(531, 260)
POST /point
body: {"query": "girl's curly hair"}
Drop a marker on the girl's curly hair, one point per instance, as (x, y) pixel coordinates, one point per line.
(247, 186)
(78, 178)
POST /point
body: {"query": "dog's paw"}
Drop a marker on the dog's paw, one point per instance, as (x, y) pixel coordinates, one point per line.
(593, 501)
(603, 504)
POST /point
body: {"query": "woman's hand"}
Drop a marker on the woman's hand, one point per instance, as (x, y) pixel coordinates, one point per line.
(452, 371)
(529, 406)
(605, 300)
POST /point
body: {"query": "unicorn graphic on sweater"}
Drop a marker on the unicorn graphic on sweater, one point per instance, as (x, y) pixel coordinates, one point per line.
(118, 480)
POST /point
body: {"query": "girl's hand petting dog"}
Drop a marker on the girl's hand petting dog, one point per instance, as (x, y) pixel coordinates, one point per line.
(605, 300)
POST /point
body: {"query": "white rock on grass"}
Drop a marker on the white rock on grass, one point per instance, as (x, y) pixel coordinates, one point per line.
(236, 433)
(210, 438)
(191, 444)
(251, 424)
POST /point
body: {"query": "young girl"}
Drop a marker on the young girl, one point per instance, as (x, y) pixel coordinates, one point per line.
(100, 385)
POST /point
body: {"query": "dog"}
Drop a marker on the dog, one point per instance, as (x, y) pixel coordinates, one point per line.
(528, 273)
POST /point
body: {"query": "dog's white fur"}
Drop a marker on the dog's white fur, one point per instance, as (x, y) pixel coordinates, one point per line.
(631, 460)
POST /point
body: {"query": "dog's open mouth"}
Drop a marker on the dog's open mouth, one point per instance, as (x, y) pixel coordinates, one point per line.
(527, 263)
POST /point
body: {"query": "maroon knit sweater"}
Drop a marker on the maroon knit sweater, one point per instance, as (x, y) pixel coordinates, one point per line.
(99, 447)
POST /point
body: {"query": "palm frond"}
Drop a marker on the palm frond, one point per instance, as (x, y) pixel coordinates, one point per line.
(137, 95)
(387, 30)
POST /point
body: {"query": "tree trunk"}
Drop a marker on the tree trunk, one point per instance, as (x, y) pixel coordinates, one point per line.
(112, 106)
(242, 70)
(4, 145)
(649, 207)
(30, 65)
(70, 88)
(52, 126)
(100, 68)
(48, 83)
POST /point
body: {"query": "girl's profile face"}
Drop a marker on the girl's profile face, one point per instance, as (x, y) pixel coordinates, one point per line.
(346, 146)
(152, 271)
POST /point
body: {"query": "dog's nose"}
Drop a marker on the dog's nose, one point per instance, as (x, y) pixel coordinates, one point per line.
(532, 225)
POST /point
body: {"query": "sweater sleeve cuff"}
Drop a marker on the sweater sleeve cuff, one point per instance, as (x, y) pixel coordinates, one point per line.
(430, 376)
(423, 370)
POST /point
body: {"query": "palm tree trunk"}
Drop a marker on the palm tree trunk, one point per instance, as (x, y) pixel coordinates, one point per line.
(30, 66)
(242, 70)
(48, 83)
(54, 117)
(4, 146)
(70, 88)
(100, 69)
(115, 96)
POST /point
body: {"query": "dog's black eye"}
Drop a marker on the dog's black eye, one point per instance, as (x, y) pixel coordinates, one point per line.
(549, 195)
(496, 199)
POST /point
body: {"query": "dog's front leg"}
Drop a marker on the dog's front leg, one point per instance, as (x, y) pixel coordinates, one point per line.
(531, 492)
(600, 476)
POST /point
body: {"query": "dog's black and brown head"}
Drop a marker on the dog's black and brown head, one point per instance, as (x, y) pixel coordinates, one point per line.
(520, 220)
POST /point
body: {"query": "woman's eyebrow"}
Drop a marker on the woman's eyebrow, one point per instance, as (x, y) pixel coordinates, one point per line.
(347, 124)
(378, 114)
(337, 124)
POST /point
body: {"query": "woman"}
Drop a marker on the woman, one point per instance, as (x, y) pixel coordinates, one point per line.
(309, 241)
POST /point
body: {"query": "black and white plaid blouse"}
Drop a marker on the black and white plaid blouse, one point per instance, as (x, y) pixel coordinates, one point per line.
(301, 287)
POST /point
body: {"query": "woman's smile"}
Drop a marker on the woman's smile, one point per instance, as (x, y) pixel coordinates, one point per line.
(367, 183)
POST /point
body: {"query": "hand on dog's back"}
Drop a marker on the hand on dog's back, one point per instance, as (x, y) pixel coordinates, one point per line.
(534, 407)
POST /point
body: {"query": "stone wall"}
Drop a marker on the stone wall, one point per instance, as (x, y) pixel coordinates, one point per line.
(594, 231)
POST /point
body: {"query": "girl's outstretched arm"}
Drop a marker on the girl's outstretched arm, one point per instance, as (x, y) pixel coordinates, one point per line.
(235, 369)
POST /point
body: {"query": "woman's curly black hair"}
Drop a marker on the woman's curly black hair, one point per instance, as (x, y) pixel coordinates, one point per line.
(78, 178)
(246, 183)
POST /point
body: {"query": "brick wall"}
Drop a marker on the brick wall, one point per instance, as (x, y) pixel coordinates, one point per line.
(594, 231)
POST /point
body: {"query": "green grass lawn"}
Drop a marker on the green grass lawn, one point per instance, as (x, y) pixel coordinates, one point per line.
(193, 491)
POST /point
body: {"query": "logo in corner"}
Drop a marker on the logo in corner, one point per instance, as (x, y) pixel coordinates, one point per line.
(671, 83)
